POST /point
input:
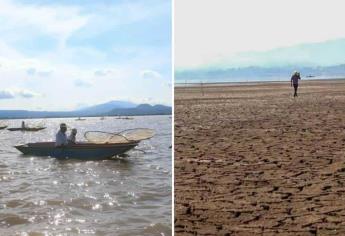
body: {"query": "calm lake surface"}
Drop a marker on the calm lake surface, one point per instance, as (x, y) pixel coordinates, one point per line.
(124, 196)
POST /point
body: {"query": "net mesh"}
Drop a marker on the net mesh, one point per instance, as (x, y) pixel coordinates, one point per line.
(137, 134)
(120, 137)
(35, 125)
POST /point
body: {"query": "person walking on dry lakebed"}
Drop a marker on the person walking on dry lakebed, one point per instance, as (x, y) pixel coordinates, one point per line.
(294, 82)
(251, 161)
(250, 158)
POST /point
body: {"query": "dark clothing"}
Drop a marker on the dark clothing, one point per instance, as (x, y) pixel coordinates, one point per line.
(295, 86)
(295, 79)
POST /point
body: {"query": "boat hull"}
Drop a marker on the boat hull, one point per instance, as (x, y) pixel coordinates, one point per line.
(26, 129)
(3, 127)
(83, 151)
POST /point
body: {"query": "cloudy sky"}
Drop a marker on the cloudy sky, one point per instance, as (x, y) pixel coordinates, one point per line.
(233, 33)
(61, 55)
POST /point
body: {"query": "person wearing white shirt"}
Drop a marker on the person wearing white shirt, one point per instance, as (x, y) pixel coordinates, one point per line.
(72, 136)
(61, 137)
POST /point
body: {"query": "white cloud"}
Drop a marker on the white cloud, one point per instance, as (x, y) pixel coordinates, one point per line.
(82, 83)
(59, 21)
(150, 74)
(31, 71)
(43, 73)
(26, 93)
(5, 94)
(48, 27)
(209, 31)
(12, 60)
(7, 51)
(81, 106)
(16, 92)
(123, 13)
(103, 72)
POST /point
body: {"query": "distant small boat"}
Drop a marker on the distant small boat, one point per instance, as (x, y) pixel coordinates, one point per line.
(125, 118)
(80, 119)
(3, 127)
(310, 76)
(32, 129)
(83, 151)
(102, 118)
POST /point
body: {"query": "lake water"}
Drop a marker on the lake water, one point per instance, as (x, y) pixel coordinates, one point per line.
(124, 196)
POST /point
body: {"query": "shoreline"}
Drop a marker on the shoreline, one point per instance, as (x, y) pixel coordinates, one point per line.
(72, 117)
(234, 83)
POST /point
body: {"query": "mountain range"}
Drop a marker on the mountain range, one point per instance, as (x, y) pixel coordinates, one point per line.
(112, 108)
(105, 108)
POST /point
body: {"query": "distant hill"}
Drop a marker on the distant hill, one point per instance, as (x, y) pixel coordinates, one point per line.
(105, 107)
(255, 73)
(142, 109)
(110, 108)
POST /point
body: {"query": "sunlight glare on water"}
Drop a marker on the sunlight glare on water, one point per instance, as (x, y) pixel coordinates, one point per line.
(124, 196)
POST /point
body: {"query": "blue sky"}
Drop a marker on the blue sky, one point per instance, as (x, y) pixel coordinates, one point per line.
(61, 55)
(267, 33)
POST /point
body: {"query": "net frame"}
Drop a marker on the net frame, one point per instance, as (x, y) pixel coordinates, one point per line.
(121, 134)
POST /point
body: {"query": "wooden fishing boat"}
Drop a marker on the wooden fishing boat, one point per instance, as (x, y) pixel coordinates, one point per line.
(80, 119)
(32, 129)
(125, 118)
(3, 127)
(83, 151)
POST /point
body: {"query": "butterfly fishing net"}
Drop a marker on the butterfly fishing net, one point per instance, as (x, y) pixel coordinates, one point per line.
(40, 124)
(35, 124)
(124, 136)
(137, 134)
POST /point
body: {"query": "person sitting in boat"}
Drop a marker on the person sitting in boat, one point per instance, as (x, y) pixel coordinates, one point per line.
(23, 125)
(61, 137)
(72, 136)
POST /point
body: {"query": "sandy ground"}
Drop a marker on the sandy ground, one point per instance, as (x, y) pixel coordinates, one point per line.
(252, 160)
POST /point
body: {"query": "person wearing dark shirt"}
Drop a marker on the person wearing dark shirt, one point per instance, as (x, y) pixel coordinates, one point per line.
(294, 82)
